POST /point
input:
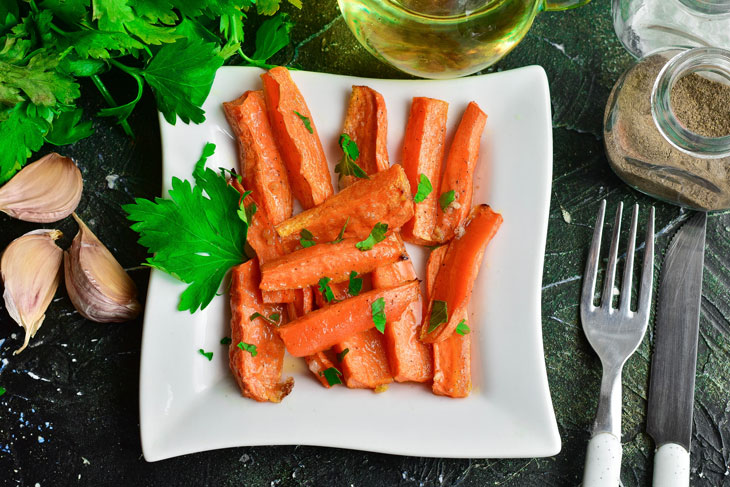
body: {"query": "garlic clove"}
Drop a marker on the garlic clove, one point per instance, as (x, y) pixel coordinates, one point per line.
(98, 286)
(30, 268)
(44, 191)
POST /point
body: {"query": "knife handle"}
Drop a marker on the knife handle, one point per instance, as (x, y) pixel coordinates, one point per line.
(671, 466)
(603, 461)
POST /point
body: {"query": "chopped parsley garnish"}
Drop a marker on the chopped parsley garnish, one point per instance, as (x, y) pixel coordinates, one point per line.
(3, 391)
(424, 189)
(247, 347)
(326, 290)
(378, 310)
(355, 285)
(332, 375)
(462, 328)
(446, 199)
(342, 354)
(377, 234)
(306, 239)
(273, 318)
(226, 341)
(341, 235)
(347, 165)
(439, 315)
(305, 121)
(208, 355)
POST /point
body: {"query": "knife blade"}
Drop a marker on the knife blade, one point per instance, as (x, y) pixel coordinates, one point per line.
(672, 379)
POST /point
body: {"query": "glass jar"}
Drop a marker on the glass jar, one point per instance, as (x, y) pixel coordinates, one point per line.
(644, 26)
(647, 145)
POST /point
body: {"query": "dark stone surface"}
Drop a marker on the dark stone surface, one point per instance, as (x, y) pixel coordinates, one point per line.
(70, 414)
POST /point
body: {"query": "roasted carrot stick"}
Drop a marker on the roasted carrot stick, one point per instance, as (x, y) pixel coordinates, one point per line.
(305, 267)
(364, 360)
(459, 172)
(264, 240)
(366, 123)
(297, 138)
(258, 376)
(455, 278)
(423, 152)
(260, 163)
(409, 358)
(323, 328)
(384, 198)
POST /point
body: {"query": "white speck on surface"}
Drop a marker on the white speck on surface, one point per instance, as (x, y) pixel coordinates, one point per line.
(85, 461)
(111, 181)
(566, 215)
(41, 439)
(37, 484)
(79, 393)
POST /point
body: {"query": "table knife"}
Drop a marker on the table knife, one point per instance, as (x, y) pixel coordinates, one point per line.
(672, 379)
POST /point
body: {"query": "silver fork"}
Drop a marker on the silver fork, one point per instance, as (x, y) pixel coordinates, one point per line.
(614, 333)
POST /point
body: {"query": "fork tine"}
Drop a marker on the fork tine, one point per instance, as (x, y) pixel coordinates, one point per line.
(607, 298)
(647, 272)
(629, 264)
(591, 270)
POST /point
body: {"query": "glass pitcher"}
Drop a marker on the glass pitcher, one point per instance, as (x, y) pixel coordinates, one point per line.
(443, 38)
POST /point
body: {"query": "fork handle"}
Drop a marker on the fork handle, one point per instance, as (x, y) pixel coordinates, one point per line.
(671, 466)
(603, 461)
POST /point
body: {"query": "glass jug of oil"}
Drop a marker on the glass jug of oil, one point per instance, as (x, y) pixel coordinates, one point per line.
(443, 38)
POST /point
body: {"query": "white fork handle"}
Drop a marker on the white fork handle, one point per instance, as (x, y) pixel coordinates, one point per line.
(603, 461)
(671, 466)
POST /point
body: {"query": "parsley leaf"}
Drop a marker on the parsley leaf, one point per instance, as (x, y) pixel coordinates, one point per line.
(439, 315)
(446, 199)
(378, 311)
(195, 235)
(226, 341)
(247, 347)
(341, 235)
(208, 355)
(462, 328)
(306, 238)
(2, 391)
(305, 121)
(332, 375)
(272, 37)
(21, 132)
(377, 234)
(341, 355)
(67, 128)
(355, 285)
(273, 318)
(326, 290)
(347, 165)
(424, 189)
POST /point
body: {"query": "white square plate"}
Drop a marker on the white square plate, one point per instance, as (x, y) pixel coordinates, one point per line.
(188, 404)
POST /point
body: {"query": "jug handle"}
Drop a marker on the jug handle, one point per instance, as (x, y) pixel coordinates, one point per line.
(557, 5)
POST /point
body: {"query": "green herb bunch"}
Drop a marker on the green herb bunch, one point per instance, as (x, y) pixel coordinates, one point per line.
(173, 46)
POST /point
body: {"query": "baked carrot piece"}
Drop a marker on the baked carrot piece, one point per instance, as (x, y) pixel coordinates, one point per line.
(258, 375)
(423, 153)
(323, 328)
(451, 357)
(459, 172)
(409, 358)
(384, 198)
(455, 279)
(364, 361)
(297, 138)
(264, 240)
(366, 122)
(260, 163)
(305, 267)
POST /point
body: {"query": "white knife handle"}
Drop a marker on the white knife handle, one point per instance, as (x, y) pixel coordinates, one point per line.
(671, 466)
(603, 461)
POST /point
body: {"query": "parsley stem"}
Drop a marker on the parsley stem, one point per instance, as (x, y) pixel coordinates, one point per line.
(255, 62)
(108, 97)
(57, 29)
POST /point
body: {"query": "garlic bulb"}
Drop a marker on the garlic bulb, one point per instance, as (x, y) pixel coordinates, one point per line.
(98, 286)
(30, 268)
(44, 191)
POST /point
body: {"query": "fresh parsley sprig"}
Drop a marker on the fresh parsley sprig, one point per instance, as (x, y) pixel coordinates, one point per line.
(377, 235)
(439, 315)
(424, 189)
(347, 165)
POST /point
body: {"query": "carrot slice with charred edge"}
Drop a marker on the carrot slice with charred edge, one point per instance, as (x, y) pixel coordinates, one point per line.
(452, 357)
(365, 365)
(258, 377)
(423, 153)
(366, 123)
(301, 149)
(305, 267)
(459, 269)
(323, 328)
(260, 163)
(409, 358)
(264, 240)
(459, 173)
(384, 198)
